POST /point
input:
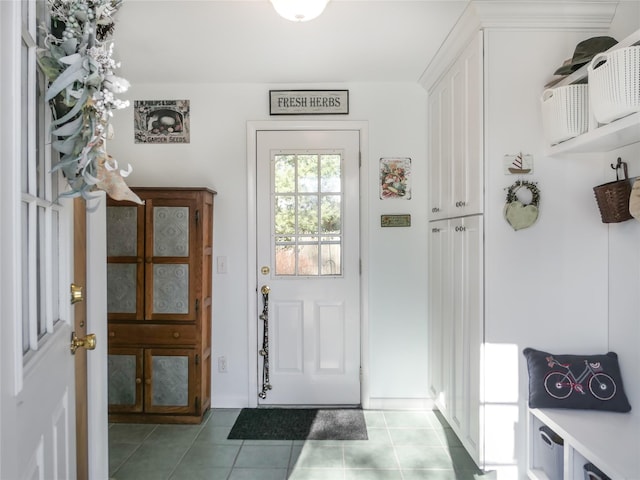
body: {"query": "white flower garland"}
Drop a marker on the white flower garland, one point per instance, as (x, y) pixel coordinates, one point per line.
(78, 62)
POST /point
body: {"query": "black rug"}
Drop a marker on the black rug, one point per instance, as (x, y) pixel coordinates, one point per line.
(299, 424)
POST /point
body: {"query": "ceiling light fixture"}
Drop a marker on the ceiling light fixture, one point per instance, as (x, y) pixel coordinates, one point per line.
(299, 10)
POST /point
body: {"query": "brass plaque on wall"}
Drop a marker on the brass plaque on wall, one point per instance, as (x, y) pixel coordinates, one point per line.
(395, 220)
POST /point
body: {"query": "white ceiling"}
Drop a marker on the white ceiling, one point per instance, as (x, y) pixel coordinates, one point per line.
(219, 41)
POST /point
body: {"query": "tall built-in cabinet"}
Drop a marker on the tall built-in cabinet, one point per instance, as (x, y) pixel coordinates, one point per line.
(159, 303)
(455, 244)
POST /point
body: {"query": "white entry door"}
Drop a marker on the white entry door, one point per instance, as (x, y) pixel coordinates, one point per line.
(308, 257)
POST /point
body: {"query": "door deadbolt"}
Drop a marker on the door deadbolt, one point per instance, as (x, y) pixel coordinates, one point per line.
(76, 293)
(265, 270)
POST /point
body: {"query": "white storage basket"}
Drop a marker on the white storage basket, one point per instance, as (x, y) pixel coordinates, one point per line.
(565, 112)
(614, 82)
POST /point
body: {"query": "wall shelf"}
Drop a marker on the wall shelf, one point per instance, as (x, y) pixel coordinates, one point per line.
(601, 138)
(605, 138)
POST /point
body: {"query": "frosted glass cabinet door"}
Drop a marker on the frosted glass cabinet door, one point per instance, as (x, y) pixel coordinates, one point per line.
(125, 269)
(169, 377)
(170, 231)
(168, 259)
(125, 379)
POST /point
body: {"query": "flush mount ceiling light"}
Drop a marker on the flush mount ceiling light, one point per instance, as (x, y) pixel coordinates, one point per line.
(299, 10)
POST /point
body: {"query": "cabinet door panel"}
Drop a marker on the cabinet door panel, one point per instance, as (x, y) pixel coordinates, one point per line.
(467, 166)
(169, 380)
(467, 329)
(439, 312)
(170, 266)
(439, 151)
(125, 269)
(170, 231)
(170, 289)
(125, 380)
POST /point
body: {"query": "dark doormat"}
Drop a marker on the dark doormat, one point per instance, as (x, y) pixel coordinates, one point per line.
(299, 424)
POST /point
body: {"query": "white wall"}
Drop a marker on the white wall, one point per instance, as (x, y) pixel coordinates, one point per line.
(216, 157)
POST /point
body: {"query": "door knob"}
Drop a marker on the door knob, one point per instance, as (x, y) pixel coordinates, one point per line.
(88, 342)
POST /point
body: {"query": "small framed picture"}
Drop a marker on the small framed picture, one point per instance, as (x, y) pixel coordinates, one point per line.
(395, 178)
(161, 121)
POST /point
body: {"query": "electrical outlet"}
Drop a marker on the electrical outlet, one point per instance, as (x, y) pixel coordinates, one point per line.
(222, 364)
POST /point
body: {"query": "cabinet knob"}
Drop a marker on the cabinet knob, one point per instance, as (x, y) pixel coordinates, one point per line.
(138, 381)
(148, 259)
(176, 334)
(147, 381)
(112, 334)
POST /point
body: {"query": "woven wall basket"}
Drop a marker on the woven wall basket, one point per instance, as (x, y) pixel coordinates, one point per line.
(613, 197)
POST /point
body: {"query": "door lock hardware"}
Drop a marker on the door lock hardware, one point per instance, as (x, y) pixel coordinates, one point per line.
(88, 342)
(76, 293)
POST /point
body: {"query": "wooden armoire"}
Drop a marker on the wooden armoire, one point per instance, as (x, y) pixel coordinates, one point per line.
(159, 303)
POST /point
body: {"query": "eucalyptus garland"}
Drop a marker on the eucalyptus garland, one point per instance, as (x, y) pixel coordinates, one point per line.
(77, 61)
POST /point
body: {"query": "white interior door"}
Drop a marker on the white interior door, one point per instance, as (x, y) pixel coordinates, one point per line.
(308, 257)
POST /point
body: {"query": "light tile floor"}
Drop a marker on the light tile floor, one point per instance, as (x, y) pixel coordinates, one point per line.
(403, 445)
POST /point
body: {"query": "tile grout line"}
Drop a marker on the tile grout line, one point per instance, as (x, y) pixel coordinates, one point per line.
(393, 445)
(175, 467)
(122, 464)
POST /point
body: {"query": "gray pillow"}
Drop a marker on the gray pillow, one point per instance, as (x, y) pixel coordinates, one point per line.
(590, 382)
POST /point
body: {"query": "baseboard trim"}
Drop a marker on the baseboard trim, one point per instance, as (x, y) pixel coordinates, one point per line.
(400, 404)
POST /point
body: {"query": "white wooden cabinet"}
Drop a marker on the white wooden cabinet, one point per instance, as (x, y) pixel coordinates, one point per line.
(455, 268)
(455, 244)
(455, 138)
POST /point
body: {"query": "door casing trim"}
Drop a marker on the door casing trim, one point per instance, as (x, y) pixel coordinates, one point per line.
(253, 127)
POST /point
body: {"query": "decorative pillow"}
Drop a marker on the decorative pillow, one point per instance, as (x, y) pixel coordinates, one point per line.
(575, 381)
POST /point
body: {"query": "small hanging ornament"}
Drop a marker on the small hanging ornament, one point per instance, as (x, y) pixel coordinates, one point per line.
(518, 214)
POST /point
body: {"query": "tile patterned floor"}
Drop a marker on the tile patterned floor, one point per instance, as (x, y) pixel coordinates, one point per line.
(401, 446)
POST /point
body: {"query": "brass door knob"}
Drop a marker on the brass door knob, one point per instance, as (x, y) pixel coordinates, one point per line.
(88, 342)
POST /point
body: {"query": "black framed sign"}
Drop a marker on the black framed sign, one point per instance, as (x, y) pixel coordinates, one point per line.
(308, 102)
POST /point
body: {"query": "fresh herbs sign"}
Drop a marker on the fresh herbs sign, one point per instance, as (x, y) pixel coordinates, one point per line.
(309, 102)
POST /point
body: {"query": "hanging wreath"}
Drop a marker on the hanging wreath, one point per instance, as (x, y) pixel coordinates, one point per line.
(518, 214)
(77, 61)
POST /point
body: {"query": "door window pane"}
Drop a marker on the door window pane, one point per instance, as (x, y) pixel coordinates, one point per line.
(40, 211)
(307, 203)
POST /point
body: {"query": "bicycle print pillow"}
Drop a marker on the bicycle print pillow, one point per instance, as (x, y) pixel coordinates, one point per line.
(590, 382)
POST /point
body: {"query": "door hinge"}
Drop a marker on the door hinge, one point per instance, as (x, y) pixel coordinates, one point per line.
(360, 266)
(359, 159)
(197, 359)
(360, 374)
(197, 404)
(197, 217)
(197, 304)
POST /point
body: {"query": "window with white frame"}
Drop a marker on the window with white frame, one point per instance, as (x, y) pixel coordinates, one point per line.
(39, 208)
